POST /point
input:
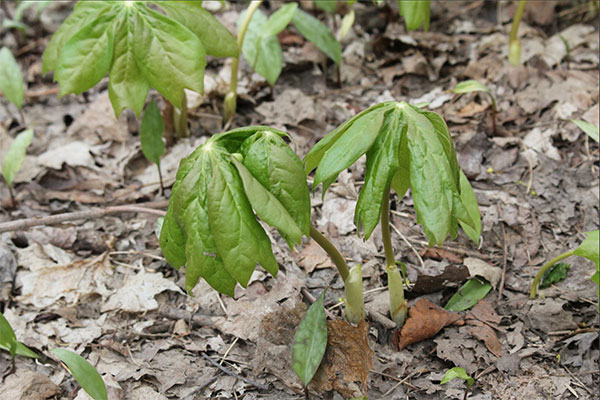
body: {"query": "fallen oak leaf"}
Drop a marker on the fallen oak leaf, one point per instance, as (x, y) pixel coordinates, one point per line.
(424, 321)
(486, 334)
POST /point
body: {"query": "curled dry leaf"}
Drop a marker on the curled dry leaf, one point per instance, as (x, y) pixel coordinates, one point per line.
(347, 360)
(425, 320)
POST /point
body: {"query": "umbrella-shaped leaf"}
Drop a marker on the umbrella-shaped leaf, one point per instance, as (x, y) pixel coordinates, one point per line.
(310, 341)
(83, 372)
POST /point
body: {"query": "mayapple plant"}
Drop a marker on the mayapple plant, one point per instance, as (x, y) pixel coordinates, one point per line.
(406, 147)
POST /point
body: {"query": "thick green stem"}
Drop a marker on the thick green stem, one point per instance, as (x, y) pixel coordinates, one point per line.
(335, 255)
(540, 274)
(398, 305)
(514, 43)
(230, 104)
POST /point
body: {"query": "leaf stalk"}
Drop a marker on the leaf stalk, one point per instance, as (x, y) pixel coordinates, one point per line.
(540, 274)
(333, 252)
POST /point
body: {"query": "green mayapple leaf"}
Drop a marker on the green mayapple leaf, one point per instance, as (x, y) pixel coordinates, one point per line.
(127, 86)
(215, 37)
(415, 13)
(316, 32)
(83, 372)
(589, 248)
(405, 147)
(87, 56)
(15, 155)
(169, 55)
(151, 130)
(263, 53)
(11, 78)
(83, 13)
(310, 341)
(211, 226)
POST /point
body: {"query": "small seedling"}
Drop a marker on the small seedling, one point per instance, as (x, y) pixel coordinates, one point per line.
(590, 129)
(84, 373)
(416, 13)
(310, 342)
(514, 43)
(11, 80)
(405, 147)
(589, 249)
(9, 342)
(14, 159)
(151, 130)
(460, 373)
(476, 86)
(469, 294)
(138, 47)
(15, 22)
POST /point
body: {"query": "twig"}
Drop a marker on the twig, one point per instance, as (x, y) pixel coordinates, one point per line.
(26, 223)
(228, 350)
(409, 245)
(578, 380)
(504, 256)
(231, 373)
(400, 382)
(312, 299)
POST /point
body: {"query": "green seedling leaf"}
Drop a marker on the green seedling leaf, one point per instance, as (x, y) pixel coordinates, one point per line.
(326, 5)
(21, 350)
(262, 52)
(83, 372)
(16, 154)
(347, 23)
(279, 20)
(218, 41)
(316, 32)
(310, 341)
(590, 129)
(468, 295)
(457, 372)
(211, 226)
(468, 87)
(415, 13)
(11, 78)
(554, 274)
(151, 131)
(8, 339)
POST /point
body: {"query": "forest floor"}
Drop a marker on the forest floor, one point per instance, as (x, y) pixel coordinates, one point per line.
(102, 288)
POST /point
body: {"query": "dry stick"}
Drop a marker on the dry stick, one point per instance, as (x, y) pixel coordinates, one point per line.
(504, 256)
(231, 373)
(22, 224)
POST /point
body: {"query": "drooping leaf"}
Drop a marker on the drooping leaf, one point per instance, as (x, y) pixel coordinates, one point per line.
(151, 130)
(316, 32)
(457, 372)
(83, 13)
(310, 341)
(92, 47)
(21, 350)
(279, 20)
(127, 86)
(15, 155)
(470, 86)
(468, 295)
(170, 56)
(218, 41)
(415, 13)
(11, 78)
(554, 274)
(83, 372)
(8, 339)
(590, 129)
(469, 200)
(262, 52)
(589, 248)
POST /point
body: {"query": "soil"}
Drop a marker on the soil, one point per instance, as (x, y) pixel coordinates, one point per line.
(101, 287)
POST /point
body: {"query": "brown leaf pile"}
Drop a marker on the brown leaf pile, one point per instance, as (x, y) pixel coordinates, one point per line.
(425, 320)
(347, 360)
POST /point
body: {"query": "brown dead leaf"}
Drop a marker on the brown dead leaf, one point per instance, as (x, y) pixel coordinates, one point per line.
(471, 109)
(424, 321)
(441, 254)
(430, 284)
(347, 360)
(28, 385)
(312, 256)
(486, 334)
(484, 312)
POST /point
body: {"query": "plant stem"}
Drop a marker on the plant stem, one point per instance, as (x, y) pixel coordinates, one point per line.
(231, 97)
(385, 228)
(333, 252)
(12, 196)
(540, 274)
(517, 20)
(162, 187)
(514, 43)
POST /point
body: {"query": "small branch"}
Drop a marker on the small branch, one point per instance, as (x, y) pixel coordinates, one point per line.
(540, 274)
(22, 224)
(231, 373)
(333, 252)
